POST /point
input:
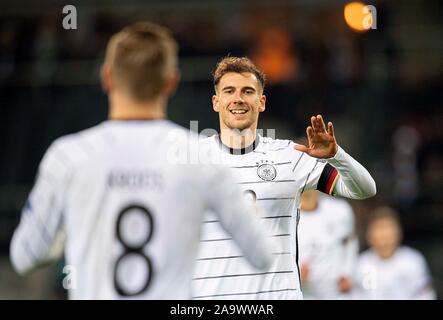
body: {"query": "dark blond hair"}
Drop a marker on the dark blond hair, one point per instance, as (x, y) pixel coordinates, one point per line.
(238, 65)
(384, 212)
(141, 57)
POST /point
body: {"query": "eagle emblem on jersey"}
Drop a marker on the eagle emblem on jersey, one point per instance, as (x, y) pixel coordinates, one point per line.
(266, 171)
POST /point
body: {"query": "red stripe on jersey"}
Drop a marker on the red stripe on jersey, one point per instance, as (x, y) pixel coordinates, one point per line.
(331, 182)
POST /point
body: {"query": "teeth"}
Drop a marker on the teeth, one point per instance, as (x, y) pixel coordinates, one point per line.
(238, 111)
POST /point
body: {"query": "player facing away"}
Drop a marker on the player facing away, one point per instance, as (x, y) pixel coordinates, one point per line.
(131, 215)
(276, 172)
(389, 270)
(328, 246)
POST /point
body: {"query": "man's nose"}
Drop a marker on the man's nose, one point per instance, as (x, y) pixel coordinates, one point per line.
(238, 97)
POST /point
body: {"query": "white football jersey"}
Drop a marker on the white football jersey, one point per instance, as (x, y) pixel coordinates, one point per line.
(328, 246)
(131, 215)
(275, 175)
(404, 276)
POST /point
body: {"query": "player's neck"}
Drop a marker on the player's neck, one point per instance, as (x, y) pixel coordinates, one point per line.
(236, 139)
(385, 254)
(124, 108)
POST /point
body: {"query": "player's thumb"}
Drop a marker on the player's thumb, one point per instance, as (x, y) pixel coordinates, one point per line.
(301, 148)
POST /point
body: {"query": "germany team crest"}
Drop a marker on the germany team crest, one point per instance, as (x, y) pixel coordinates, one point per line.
(266, 171)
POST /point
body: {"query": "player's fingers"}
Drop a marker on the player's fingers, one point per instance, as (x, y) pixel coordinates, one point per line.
(316, 125)
(321, 123)
(310, 134)
(331, 129)
(313, 123)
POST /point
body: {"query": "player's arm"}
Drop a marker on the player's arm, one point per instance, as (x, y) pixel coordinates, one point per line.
(37, 239)
(239, 218)
(342, 175)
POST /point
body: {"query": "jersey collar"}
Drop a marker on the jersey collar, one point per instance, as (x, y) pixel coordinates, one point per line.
(239, 151)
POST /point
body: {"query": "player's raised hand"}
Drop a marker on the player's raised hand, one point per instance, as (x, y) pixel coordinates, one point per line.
(321, 142)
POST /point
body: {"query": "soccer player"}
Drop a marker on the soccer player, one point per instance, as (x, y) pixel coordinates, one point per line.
(328, 246)
(130, 212)
(276, 172)
(389, 270)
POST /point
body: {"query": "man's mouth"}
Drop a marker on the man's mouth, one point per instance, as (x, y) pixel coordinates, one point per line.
(238, 111)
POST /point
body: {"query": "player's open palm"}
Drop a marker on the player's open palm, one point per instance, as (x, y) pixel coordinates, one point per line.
(321, 142)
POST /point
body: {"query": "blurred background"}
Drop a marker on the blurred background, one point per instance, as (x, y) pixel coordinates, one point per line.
(382, 88)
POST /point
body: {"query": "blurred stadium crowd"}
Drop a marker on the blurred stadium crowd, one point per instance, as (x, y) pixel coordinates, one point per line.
(383, 89)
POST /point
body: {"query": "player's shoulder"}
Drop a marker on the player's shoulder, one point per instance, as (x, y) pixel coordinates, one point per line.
(66, 150)
(270, 144)
(265, 143)
(285, 147)
(409, 253)
(78, 139)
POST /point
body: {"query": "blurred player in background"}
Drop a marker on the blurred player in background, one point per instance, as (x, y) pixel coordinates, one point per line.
(277, 171)
(131, 216)
(328, 246)
(389, 270)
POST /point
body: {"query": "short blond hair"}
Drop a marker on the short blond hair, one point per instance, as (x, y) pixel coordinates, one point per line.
(238, 65)
(384, 212)
(141, 57)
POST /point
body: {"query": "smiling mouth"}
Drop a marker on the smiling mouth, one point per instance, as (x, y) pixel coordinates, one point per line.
(238, 111)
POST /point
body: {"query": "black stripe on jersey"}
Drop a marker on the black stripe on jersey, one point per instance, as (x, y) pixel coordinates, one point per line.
(211, 221)
(234, 257)
(266, 217)
(281, 163)
(242, 275)
(255, 166)
(324, 177)
(244, 167)
(276, 217)
(296, 247)
(225, 239)
(307, 178)
(296, 164)
(242, 293)
(282, 198)
(218, 258)
(212, 240)
(262, 181)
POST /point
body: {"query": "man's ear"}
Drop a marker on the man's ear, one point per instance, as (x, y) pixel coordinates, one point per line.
(171, 83)
(262, 103)
(106, 78)
(215, 103)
